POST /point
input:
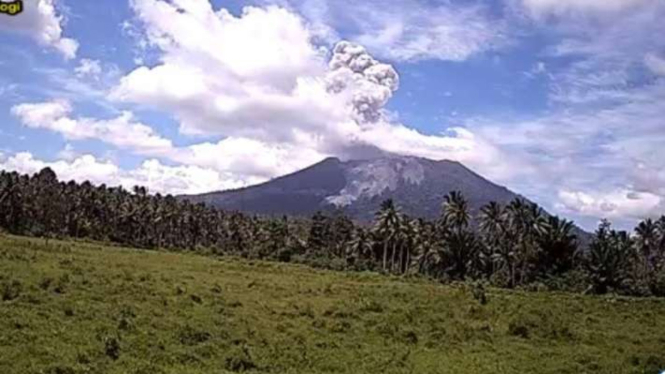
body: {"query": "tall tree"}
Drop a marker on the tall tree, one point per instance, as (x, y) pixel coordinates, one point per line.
(608, 258)
(387, 228)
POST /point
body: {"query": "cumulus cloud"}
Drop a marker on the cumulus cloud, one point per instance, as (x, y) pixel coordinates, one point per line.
(615, 204)
(156, 176)
(123, 131)
(593, 162)
(258, 79)
(41, 21)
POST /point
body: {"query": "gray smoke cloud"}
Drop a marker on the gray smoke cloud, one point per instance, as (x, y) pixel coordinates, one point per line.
(370, 83)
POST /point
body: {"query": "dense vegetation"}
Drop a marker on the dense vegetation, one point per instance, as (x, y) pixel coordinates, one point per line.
(69, 307)
(509, 246)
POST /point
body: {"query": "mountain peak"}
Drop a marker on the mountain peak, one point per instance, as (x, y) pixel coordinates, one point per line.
(357, 187)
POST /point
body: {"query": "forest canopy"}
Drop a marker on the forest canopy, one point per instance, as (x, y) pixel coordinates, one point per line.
(516, 245)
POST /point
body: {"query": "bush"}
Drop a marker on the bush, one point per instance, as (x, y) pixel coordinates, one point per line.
(190, 336)
(10, 290)
(571, 281)
(239, 360)
(61, 284)
(658, 283)
(60, 369)
(371, 306)
(518, 328)
(112, 347)
(636, 287)
(284, 255)
(45, 283)
(478, 291)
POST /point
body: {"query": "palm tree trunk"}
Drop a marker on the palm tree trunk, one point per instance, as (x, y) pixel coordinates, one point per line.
(408, 261)
(385, 254)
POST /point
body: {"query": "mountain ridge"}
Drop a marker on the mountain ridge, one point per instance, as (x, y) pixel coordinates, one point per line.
(357, 187)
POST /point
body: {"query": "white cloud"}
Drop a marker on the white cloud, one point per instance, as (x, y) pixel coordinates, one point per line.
(616, 204)
(258, 80)
(421, 32)
(151, 173)
(224, 75)
(590, 157)
(88, 67)
(251, 160)
(541, 8)
(68, 153)
(407, 30)
(40, 21)
(655, 63)
(122, 131)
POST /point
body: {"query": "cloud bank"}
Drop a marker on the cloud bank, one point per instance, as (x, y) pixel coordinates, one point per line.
(41, 21)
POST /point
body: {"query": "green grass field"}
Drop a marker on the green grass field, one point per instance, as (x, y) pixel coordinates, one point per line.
(71, 307)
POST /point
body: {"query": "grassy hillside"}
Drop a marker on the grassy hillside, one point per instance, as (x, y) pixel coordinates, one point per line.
(70, 307)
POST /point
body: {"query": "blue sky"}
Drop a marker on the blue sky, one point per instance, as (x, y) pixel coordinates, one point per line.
(561, 101)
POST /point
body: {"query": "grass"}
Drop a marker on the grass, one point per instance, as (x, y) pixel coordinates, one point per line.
(69, 308)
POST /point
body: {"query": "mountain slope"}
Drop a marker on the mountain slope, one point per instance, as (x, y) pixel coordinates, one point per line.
(358, 187)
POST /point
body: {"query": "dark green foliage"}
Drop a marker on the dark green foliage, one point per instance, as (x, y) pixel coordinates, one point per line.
(516, 245)
(239, 360)
(478, 290)
(519, 328)
(609, 258)
(10, 290)
(112, 347)
(191, 336)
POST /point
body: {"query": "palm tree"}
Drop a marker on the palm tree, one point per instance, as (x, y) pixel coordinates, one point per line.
(455, 211)
(387, 227)
(646, 240)
(608, 258)
(557, 246)
(525, 219)
(458, 244)
(407, 238)
(425, 252)
(493, 228)
(360, 247)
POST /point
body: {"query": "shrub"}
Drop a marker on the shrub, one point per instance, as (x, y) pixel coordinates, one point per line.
(45, 283)
(10, 290)
(60, 369)
(371, 306)
(518, 328)
(216, 288)
(658, 283)
(69, 311)
(61, 284)
(478, 291)
(112, 347)
(410, 337)
(284, 255)
(191, 336)
(239, 360)
(572, 281)
(340, 327)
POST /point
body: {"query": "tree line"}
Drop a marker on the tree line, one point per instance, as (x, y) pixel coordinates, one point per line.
(516, 245)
